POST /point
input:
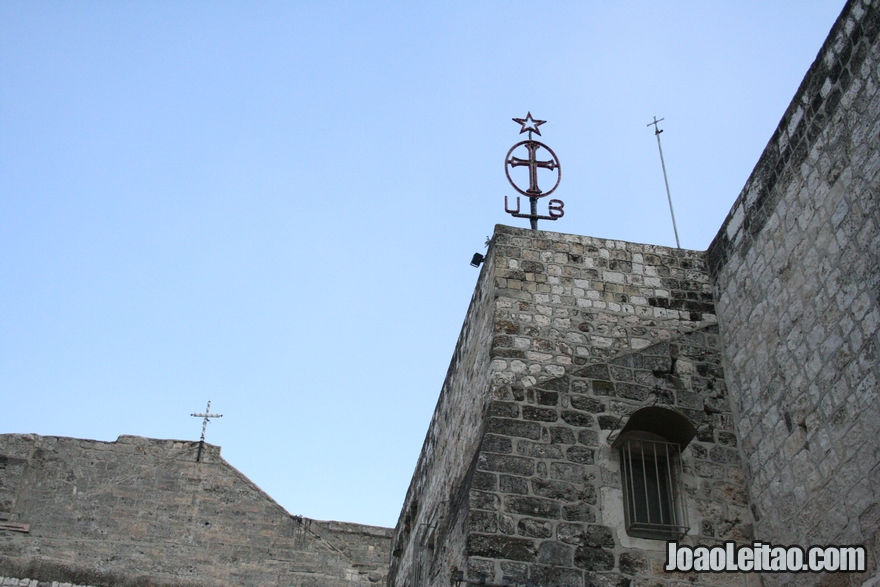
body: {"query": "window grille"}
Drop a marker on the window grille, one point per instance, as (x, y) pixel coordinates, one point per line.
(652, 489)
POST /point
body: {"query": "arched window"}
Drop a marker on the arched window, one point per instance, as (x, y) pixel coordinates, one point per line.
(650, 446)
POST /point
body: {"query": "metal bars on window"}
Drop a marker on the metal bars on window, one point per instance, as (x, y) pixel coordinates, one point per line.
(652, 489)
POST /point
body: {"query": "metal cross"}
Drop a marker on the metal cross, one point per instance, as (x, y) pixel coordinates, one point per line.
(533, 164)
(530, 125)
(657, 130)
(207, 416)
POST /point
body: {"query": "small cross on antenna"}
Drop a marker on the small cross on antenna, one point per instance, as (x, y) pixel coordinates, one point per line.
(657, 132)
(207, 416)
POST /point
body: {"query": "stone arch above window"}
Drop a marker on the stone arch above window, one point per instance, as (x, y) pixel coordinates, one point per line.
(666, 423)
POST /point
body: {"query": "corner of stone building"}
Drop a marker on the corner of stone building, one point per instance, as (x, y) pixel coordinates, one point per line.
(575, 334)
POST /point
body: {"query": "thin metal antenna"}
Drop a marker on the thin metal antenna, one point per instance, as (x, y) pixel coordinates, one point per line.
(207, 416)
(657, 132)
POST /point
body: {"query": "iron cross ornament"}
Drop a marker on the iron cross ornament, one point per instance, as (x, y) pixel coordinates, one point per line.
(534, 164)
(207, 417)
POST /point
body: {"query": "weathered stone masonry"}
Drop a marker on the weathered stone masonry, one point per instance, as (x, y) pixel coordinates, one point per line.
(583, 332)
(796, 268)
(142, 512)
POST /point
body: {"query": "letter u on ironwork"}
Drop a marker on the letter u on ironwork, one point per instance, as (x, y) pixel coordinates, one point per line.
(508, 210)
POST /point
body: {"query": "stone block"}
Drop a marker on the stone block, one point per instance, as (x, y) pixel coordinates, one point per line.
(572, 472)
(633, 563)
(534, 528)
(509, 484)
(579, 454)
(554, 489)
(506, 464)
(586, 404)
(554, 575)
(504, 409)
(579, 419)
(509, 427)
(481, 500)
(497, 444)
(594, 559)
(495, 546)
(532, 506)
(553, 553)
(546, 398)
(483, 522)
(514, 573)
(539, 414)
(538, 450)
(580, 512)
(585, 535)
(589, 437)
(561, 435)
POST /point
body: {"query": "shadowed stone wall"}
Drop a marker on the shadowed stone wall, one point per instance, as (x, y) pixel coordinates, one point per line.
(580, 333)
(142, 512)
(796, 267)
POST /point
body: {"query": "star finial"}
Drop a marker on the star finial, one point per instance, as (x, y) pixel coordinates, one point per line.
(529, 124)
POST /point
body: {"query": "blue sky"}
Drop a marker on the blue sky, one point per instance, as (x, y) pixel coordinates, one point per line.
(273, 205)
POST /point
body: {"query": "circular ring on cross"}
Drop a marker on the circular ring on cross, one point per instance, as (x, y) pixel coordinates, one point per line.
(534, 164)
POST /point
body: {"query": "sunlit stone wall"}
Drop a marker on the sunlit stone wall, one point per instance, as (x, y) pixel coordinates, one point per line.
(796, 267)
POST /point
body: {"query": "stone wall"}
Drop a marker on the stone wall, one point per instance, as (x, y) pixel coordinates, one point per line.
(582, 333)
(796, 269)
(143, 512)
